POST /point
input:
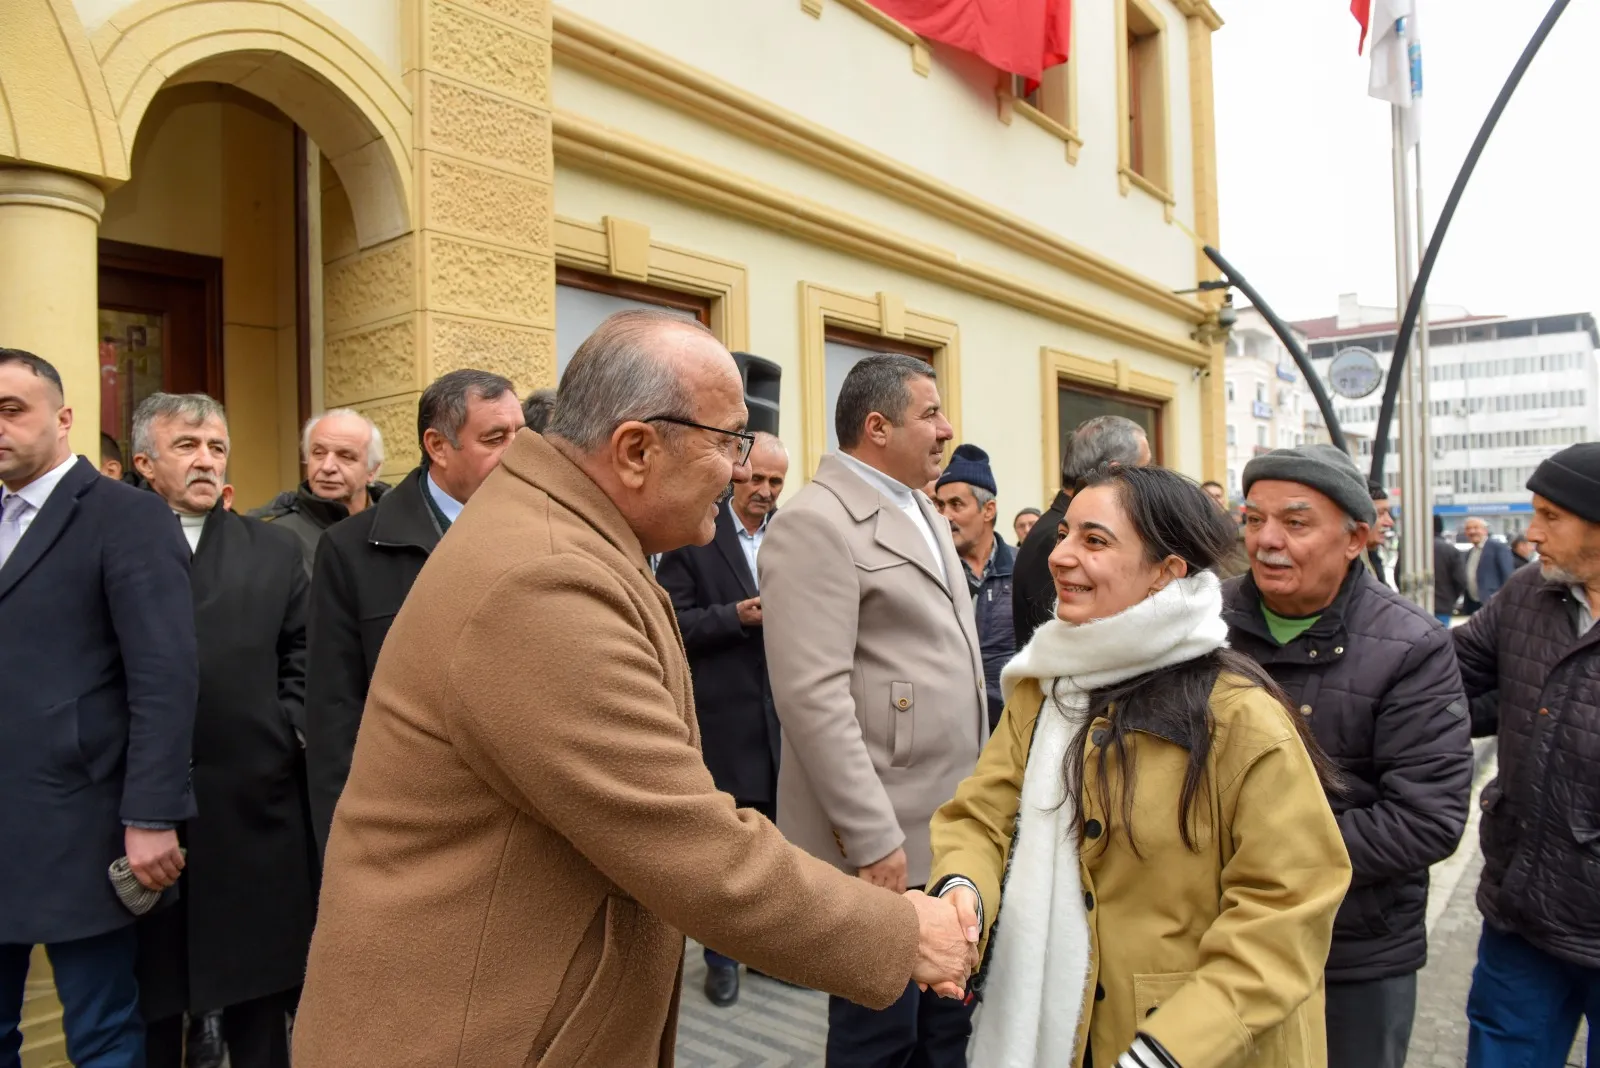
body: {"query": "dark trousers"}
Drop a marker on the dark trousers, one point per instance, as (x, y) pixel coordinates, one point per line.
(768, 809)
(1524, 1007)
(94, 979)
(1369, 1023)
(921, 1030)
(256, 1033)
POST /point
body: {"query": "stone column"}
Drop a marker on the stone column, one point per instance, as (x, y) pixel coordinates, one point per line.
(50, 284)
(485, 165)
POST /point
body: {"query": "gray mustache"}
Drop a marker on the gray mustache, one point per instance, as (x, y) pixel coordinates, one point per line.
(1276, 559)
(202, 476)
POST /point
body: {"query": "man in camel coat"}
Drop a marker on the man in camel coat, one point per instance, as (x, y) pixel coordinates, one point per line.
(528, 830)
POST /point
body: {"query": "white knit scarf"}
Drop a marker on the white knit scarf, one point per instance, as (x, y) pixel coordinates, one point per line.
(1040, 961)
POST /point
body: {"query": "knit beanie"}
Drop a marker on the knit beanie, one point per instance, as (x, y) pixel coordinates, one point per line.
(1324, 468)
(969, 464)
(1571, 479)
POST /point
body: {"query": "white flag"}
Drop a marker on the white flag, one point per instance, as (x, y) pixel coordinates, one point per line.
(1396, 52)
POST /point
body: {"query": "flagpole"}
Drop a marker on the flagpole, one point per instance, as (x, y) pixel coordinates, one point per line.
(1410, 499)
(1423, 530)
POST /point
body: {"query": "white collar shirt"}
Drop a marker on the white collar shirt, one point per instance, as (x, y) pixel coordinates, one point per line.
(1586, 611)
(750, 543)
(35, 493)
(904, 498)
(449, 507)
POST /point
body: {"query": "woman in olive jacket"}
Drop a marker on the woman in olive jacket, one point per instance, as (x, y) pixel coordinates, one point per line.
(1145, 839)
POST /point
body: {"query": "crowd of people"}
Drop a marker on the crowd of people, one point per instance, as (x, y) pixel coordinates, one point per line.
(445, 771)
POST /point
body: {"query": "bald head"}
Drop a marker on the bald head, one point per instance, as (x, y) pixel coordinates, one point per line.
(652, 409)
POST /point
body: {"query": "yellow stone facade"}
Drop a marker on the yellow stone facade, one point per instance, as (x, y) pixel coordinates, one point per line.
(462, 152)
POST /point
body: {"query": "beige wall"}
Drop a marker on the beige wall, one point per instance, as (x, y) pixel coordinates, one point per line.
(852, 77)
(212, 175)
(1001, 400)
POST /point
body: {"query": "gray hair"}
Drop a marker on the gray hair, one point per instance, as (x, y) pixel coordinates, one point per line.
(537, 407)
(192, 408)
(443, 406)
(616, 377)
(374, 436)
(769, 441)
(1105, 439)
(877, 383)
(981, 495)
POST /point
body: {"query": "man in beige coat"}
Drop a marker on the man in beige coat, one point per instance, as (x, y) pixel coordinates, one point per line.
(876, 673)
(528, 828)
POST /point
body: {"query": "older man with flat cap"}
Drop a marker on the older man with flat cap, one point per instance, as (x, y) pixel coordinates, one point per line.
(528, 829)
(1377, 677)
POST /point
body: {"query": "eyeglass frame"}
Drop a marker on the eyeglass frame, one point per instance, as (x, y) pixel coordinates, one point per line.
(747, 439)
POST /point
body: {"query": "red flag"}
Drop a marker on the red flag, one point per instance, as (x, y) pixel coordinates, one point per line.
(1020, 36)
(1362, 10)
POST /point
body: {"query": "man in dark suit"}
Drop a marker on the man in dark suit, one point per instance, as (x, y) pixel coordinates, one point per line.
(714, 592)
(99, 674)
(1489, 564)
(365, 566)
(238, 936)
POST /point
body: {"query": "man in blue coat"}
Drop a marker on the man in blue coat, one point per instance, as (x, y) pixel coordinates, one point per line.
(1489, 564)
(99, 675)
(965, 496)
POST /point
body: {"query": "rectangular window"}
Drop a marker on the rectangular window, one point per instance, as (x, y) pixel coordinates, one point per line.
(1233, 434)
(585, 300)
(1054, 99)
(1143, 82)
(842, 350)
(1075, 403)
(1261, 436)
(1230, 387)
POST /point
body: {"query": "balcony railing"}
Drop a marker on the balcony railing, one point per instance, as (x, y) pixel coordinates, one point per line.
(1261, 409)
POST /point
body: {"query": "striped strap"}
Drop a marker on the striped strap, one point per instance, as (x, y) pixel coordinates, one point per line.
(1146, 1052)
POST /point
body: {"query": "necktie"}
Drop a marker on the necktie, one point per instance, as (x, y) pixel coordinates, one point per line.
(11, 512)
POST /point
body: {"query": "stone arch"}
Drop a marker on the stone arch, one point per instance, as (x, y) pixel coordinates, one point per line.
(54, 109)
(296, 59)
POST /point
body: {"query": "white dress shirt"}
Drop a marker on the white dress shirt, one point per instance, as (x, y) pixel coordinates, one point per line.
(192, 526)
(904, 498)
(35, 493)
(1586, 611)
(448, 505)
(750, 543)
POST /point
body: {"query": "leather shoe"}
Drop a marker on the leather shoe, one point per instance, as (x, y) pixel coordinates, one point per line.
(205, 1041)
(722, 984)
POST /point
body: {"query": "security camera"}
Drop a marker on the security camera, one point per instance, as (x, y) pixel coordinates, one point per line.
(1226, 317)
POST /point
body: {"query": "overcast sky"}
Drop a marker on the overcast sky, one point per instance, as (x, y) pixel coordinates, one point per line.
(1304, 158)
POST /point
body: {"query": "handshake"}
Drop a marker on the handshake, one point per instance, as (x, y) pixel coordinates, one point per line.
(947, 949)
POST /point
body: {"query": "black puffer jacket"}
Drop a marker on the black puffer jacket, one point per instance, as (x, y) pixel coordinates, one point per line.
(1378, 678)
(1541, 816)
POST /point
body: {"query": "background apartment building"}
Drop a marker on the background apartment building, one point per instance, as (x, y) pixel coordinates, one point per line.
(1269, 404)
(1505, 394)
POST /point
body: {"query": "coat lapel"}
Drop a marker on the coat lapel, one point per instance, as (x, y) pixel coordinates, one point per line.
(895, 532)
(727, 541)
(48, 524)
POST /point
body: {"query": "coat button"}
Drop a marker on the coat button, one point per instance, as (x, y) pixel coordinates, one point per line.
(1313, 654)
(1305, 710)
(903, 704)
(1544, 711)
(1099, 992)
(1151, 1011)
(1338, 650)
(1098, 737)
(1092, 829)
(1088, 900)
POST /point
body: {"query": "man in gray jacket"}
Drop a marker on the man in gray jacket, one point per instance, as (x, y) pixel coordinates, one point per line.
(1377, 677)
(876, 674)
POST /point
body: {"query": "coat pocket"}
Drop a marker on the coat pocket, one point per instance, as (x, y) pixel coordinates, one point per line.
(1151, 989)
(574, 1035)
(902, 706)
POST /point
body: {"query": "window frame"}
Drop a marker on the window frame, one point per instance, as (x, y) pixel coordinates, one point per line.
(1147, 89)
(1114, 379)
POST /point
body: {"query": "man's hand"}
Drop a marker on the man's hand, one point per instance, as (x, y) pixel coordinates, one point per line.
(153, 856)
(889, 873)
(947, 946)
(749, 612)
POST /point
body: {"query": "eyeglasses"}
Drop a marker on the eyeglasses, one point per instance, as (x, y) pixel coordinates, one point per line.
(746, 439)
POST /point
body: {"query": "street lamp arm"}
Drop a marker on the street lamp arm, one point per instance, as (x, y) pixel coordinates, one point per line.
(1285, 335)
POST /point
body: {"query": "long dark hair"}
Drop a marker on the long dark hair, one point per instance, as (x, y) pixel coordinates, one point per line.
(1172, 516)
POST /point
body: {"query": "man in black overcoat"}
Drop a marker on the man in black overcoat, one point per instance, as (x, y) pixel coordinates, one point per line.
(714, 591)
(237, 938)
(366, 564)
(97, 692)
